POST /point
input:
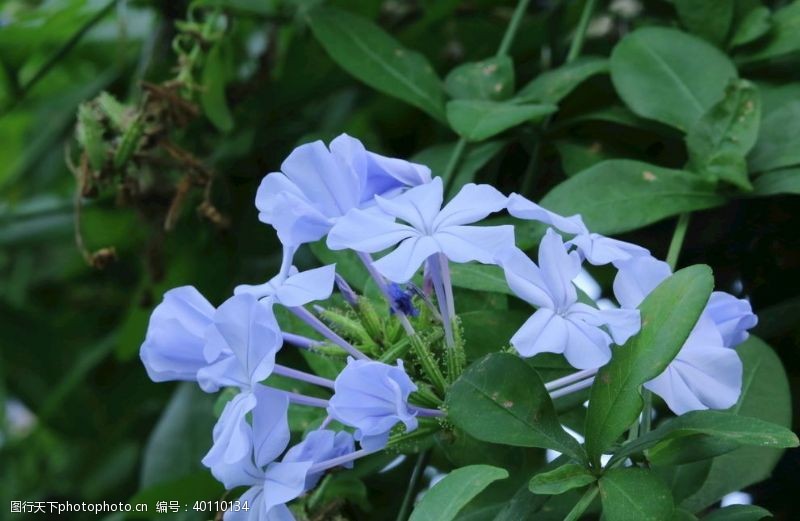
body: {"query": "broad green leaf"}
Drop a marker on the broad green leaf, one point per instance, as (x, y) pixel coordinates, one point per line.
(370, 54)
(766, 396)
(212, 97)
(491, 79)
(620, 195)
(476, 120)
(719, 142)
(501, 399)
(722, 426)
(709, 19)
(689, 449)
(783, 38)
(348, 265)
(683, 480)
(680, 514)
(554, 85)
(670, 76)
(479, 277)
(633, 494)
(181, 437)
(577, 157)
(476, 157)
(738, 513)
(564, 478)
(669, 314)
(489, 330)
(451, 494)
(778, 143)
(754, 25)
(786, 181)
(197, 486)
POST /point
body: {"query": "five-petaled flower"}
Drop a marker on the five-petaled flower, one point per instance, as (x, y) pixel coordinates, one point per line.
(426, 228)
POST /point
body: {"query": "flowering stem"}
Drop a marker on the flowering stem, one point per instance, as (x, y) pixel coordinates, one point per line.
(301, 341)
(320, 327)
(676, 243)
(302, 399)
(513, 25)
(288, 372)
(419, 466)
(574, 377)
(569, 389)
(322, 466)
(428, 363)
(583, 503)
(580, 31)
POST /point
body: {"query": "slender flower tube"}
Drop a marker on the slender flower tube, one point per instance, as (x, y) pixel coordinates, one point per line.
(320, 327)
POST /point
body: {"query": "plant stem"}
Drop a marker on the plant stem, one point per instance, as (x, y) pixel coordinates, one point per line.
(647, 412)
(566, 380)
(580, 31)
(574, 51)
(569, 389)
(513, 26)
(408, 499)
(677, 240)
(452, 164)
(583, 503)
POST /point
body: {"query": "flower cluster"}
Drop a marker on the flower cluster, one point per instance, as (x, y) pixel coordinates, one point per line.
(371, 204)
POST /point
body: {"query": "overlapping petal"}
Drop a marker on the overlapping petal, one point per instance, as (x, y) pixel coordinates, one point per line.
(173, 347)
(474, 243)
(472, 203)
(402, 263)
(600, 250)
(522, 208)
(368, 231)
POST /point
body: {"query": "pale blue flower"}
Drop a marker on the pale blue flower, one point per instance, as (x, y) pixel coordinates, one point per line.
(523, 208)
(372, 397)
(291, 288)
(244, 340)
(595, 248)
(173, 347)
(320, 445)
(426, 228)
(317, 185)
(733, 317)
(561, 324)
(706, 373)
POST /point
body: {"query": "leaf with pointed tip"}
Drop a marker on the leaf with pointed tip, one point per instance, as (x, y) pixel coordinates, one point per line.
(633, 494)
(554, 85)
(476, 120)
(669, 314)
(448, 496)
(491, 79)
(563, 478)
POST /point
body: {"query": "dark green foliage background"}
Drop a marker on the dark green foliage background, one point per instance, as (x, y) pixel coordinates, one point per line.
(69, 334)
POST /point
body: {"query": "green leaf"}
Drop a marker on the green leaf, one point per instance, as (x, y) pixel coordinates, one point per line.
(689, 449)
(488, 330)
(754, 25)
(348, 265)
(479, 277)
(564, 478)
(212, 97)
(669, 76)
(722, 426)
(738, 513)
(709, 19)
(635, 495)
(786, 181)
(476, 120)
(766, 396)
(620, 195)
(180, 438)
(475, 158)
(719, 142)
(491, 79)
(501, 399)
(783, 39)
(451, 494)
(554, 85)
(370, 54)
(778, 143)
(668, 315)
